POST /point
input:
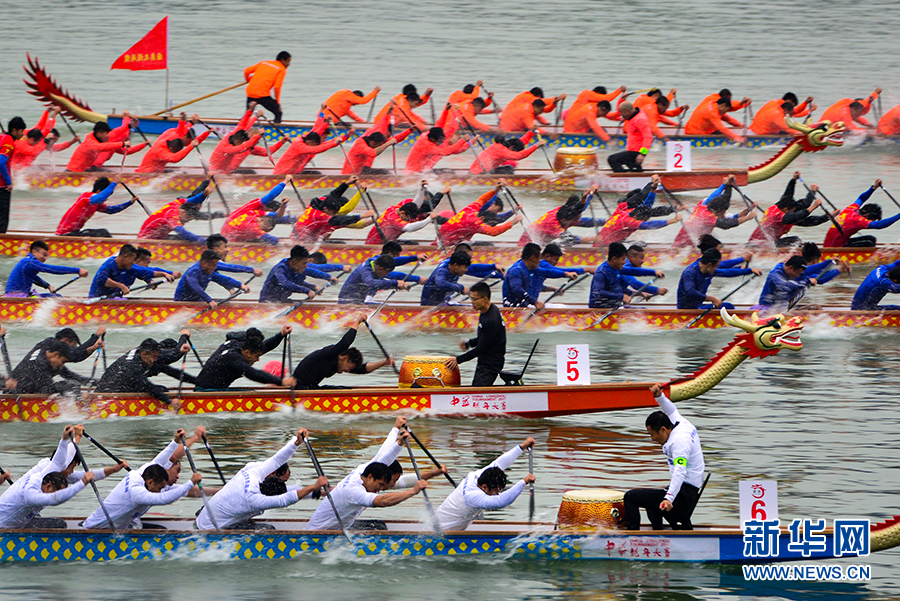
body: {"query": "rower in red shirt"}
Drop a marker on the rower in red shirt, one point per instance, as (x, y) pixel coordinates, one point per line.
(710, 214)
(856, 217)
(634, 214)
(364, 150)
(555, 223)
(782, 216)
(73, 221)
(583, 119)
(770, 119)
(29, 146)
(708, 119)
(171, 219)
(119, 134)
(303, 149)
(889, 124)
(402, 105)
(326, 214)
(410, 215)
(493, 159)
(638, 141)
(253, 221)
(431, 148)
(851, 111)
(341, 103)
(170, 151)
(471, 220)
(16, 129)
(95, 143)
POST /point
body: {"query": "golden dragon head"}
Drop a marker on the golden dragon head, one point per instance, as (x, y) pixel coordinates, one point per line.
(813, 138)
(766, 336)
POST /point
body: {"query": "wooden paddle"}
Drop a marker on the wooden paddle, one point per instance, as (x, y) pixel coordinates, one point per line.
(136, 198)
(190, 458)
(320, 473)
(563, 288)
(104, 450)
(530, 487)
(428, 505)
(830, 216)
(56, 290)
(299, 303)
(430, 456)
(381, 346)
(213, 457)
(84, 466)
(620, 305)
(724, 298)
(210, 95)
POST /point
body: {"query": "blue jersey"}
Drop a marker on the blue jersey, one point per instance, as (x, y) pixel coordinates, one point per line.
(441, 284)
(608, 286)
(192, 285)
(283, 281)
(111, 270)
(694, 283)
(874, 287)
(518, 285)
(25, 275)
(363, 282)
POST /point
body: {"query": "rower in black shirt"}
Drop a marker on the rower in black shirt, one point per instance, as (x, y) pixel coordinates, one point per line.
(132, 371)
(225, 367)
(335, 359)
(36, 375)
(489, 344)
(78, 351)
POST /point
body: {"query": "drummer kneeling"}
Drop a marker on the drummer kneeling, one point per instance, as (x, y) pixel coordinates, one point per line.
(681, 446)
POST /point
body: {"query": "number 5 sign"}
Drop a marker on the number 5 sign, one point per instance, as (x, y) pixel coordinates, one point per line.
(573, 364)
(678, 156)
(759, 500)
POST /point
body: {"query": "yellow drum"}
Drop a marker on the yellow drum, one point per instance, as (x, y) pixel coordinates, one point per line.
(591, 508)
(575, 158)
(427, 372)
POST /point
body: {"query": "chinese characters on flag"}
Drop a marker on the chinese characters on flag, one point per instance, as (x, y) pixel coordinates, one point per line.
(150, 53)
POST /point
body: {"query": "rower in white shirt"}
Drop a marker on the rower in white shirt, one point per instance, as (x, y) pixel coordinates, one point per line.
(483, 489)
(258, 486)
(47, 484)
(143, 488)
(681, 446)
(360, 488)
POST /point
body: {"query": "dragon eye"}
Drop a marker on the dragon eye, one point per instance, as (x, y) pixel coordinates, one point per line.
(774, 323)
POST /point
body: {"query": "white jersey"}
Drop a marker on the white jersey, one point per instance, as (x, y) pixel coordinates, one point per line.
(240, 499)
(467, 502)
(130, 499)
(350, 496)
(23, 501)
(682, 450)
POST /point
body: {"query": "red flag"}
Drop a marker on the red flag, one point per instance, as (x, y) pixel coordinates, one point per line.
(150, 53)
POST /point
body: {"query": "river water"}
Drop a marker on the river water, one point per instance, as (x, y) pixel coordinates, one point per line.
(822, 422)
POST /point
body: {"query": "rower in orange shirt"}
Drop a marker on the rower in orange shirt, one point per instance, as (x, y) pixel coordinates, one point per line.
(341, 103)
(468, 112)
(528, 98)
(889, 124)
(38, 139)
(655, 107)
(120, 134)
(770, 119)
(467, 94)
(734, 105)
(495, 157)
(849, 110)
(264, 76)
(583, 119)
(596, 95)
(431, 148)
(707, 119)
(402, 105)
(521, 117)
(362, 154)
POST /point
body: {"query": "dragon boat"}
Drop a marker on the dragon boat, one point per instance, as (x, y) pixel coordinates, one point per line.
(759, 338)
(354, 252)
(402, 317)
(173, 538)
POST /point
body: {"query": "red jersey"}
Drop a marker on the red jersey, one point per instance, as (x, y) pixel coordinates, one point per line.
(618, 227)
(299, 154)
(78, 214)
(159, 156)
(391, 224)
(772, 225)
(638, 131)
(158, 225)
(701, 222)
(7, 149)
(851, 222)
(362, 155)
(465, 224)
(117, 134)
(497, 154)
(546, 229)
(87, 152)
(312, 226)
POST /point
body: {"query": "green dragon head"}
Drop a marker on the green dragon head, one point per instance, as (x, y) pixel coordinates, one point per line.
(813, 138)
(766, 336)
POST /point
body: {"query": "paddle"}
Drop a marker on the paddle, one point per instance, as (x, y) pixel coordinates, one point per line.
(84, 466)
(190, 458)
(450, 298)
(749, 205)
(56, 291)
(384, 302)
(320, 473)
(300, 302)
(290, 370)
(431, 512)
(450, 200)
(563, 288)
(213, 457)
(393, 150)
(620, 305)
(526, 222)
(136, 199)
(94, 369)
(6, 360)
(283, 135)
(559, 111)
(97, 299)
(71, 131)
(546, 154)
(890, 195)
(430, 456)
(210, 176)
(266, 145)
(463, 123)
(830, 216)
(210, 95)
(232, 296)
(587, 202)
(104, 450)
(499, 106)
(724, 298)
(371, 109)
(181, 375)
(381, 346)
(196, 354)
(530, 487)
(370, 205)
(7, 478)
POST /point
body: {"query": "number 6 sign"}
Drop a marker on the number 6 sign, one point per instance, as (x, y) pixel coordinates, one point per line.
(758, 499)
(678, 156)
(573, 365)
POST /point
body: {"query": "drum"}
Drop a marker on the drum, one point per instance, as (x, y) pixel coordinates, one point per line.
(591, 508)
(575, 158)
(427, 372)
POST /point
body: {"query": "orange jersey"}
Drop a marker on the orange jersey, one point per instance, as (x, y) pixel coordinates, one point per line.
(402, 112)
(459, 96)
(497, 154)
(118, 134)
(769, 119)
(425, 154)
(226, 155)
(592, 97)
(26, 152)
(159, 156)
(264, 76)
(466, 113)
(518, 117)
(840, 111)
(889, 124)
(583, 120)
(705, 120)
(341, 103)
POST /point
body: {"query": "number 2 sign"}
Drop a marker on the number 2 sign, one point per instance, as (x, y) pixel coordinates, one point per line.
(678, 156)
(573, 364)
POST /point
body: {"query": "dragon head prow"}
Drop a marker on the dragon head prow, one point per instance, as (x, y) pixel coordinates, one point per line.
(766, 336)
(814, 138)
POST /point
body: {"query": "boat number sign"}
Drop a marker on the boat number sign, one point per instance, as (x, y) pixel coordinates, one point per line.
(678, 156)
(573, 364)
(759, 500)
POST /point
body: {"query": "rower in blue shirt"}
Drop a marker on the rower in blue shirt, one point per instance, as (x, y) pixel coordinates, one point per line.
(117, 274)
(788, 282)
(517, 284)
(319, 259)
(479, 270)
(695, 280)
(635, 257)
(24, 275)
(882, 280)
(393, 249)
(144, 256)
(192, 287)
(550, 258)
(443, 281)
(219, 244)
(368, 278)
(289, 276)
(608, 287)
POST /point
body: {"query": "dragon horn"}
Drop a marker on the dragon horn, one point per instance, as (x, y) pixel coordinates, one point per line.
(804, 128)
(737, 322)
